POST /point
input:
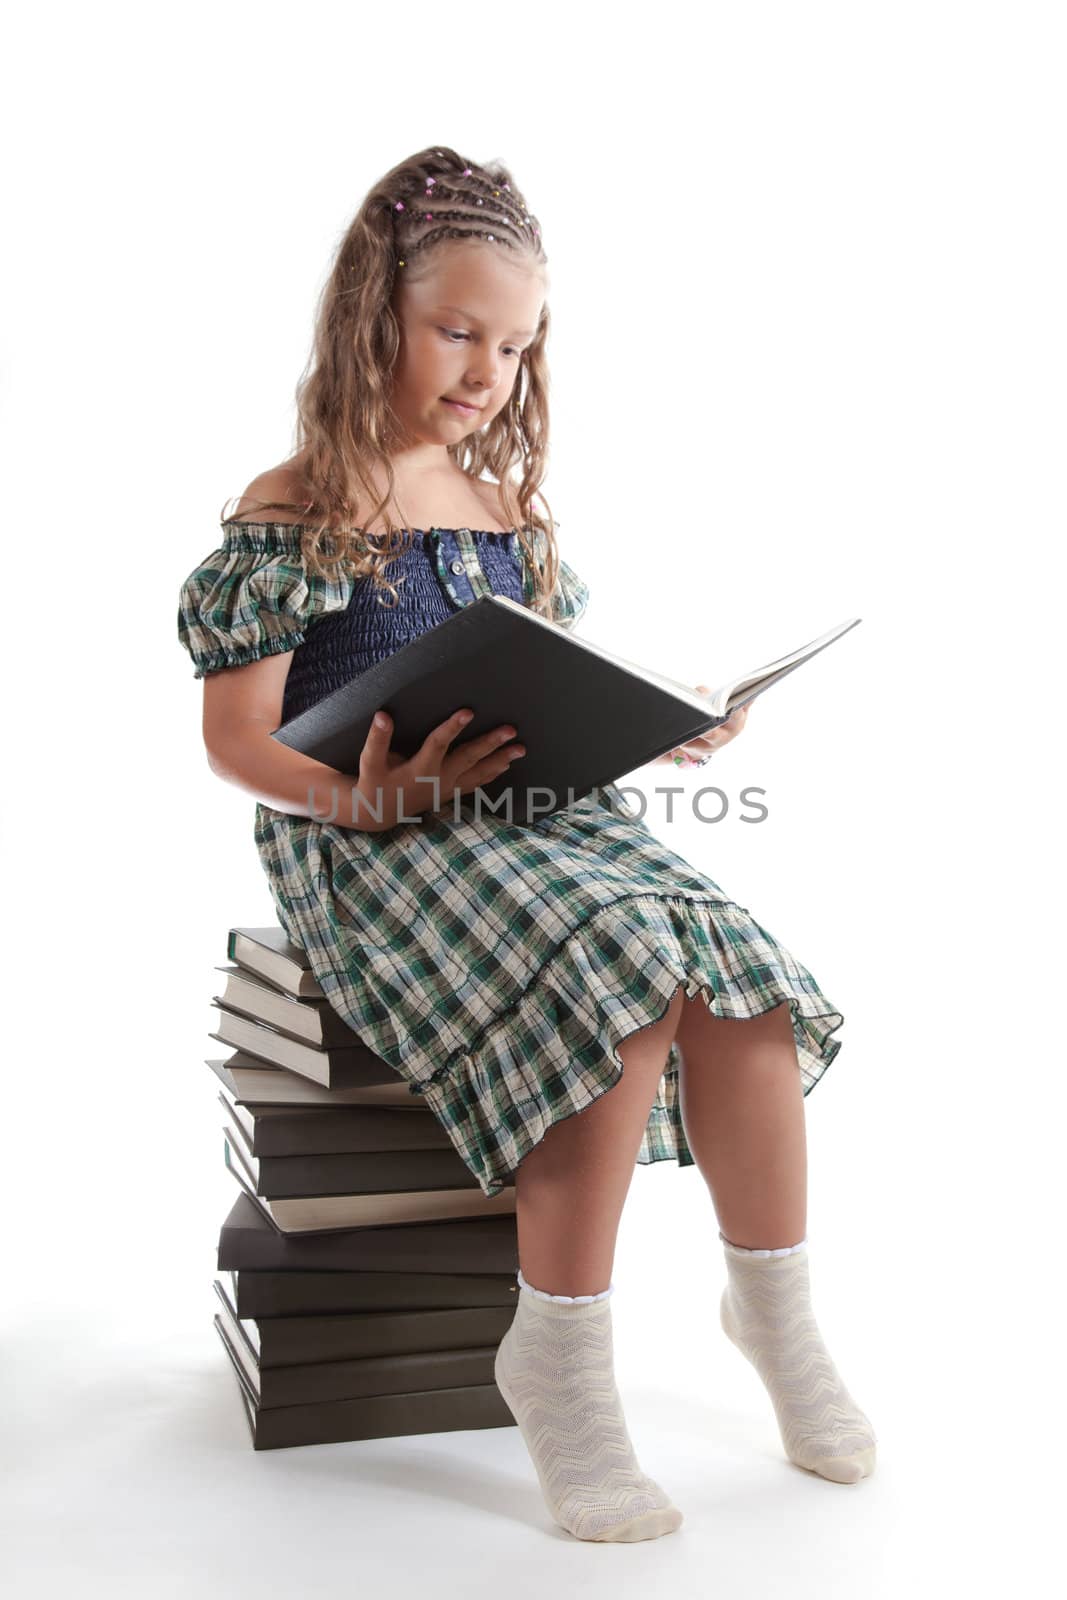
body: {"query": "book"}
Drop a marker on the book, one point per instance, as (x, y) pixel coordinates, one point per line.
(380, 1416)
(270, 954)
(337, 1358)
(314, 1021)
(333, 1066)
(585, 716)
(351, 1172)
(255, 1082)
(365, 1281)
(268, 1296)
(323, 1213)
(315, 1130)
(250, 1241)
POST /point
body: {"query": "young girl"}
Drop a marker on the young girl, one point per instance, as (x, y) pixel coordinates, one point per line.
(569, 996)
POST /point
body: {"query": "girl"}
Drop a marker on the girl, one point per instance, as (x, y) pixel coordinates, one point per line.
(569, 996)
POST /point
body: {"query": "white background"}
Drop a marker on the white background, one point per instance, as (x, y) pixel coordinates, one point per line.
(807, 267)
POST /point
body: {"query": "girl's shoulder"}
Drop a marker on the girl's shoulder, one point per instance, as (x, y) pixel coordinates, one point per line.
(280, 491)
(253, 595)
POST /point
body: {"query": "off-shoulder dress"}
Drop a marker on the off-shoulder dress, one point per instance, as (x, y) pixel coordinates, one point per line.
(495, 966)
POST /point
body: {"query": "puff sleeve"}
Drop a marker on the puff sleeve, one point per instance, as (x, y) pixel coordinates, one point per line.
(571, 594)
(252, 597)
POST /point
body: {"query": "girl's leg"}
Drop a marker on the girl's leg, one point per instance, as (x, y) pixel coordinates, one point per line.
(554, 1365)
(743, 1111)
(571, 1187)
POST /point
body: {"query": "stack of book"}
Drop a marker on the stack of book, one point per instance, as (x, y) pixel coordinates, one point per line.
(364, 1280)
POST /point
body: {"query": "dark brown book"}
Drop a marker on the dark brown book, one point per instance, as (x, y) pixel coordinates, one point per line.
(312, 1021)
(336, 1067)
(381, 1416)
(321, 1130)
(307, 1295)
(378, 1371)
(270, 953)
(349, 1172)
(319, 1213)
(248, 1240)
(296, 1341)
(252, 1081)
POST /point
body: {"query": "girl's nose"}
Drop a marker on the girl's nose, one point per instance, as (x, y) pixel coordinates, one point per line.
(485, 375)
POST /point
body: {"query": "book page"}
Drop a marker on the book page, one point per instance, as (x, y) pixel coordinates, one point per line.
(723, 699)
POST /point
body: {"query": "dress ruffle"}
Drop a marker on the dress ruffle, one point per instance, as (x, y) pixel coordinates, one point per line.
(614, 975)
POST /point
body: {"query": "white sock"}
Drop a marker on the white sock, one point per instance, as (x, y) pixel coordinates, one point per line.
(555, 1369)
(766, 1311)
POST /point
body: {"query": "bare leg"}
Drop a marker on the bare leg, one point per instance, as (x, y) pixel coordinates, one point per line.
(743, 1111)
(582, 1169)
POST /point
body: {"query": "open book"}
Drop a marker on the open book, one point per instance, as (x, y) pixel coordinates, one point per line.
(585, 715)
(724, 701)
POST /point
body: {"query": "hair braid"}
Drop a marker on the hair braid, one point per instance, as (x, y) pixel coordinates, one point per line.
(345, 427)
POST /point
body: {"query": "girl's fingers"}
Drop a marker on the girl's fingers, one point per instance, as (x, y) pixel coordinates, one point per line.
(486, 747)
(435, 745)
(379, 734)
(483, 759)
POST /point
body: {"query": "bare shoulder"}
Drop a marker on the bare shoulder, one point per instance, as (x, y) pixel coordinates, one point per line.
(277, 495)
(493, 500)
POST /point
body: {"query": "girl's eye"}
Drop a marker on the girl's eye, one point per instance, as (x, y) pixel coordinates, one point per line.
(454, 333)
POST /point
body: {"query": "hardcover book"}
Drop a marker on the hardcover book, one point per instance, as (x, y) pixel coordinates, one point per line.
(585, 716)
(380, 1416)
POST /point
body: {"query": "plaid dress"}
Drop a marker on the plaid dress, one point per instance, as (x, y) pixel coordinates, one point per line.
(495, 966)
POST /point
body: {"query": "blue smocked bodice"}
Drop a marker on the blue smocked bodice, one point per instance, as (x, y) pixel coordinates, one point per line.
(443, 569)
(254, 596)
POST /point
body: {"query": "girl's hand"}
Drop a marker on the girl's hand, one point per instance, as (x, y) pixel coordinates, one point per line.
(698, 750)
(388, 783)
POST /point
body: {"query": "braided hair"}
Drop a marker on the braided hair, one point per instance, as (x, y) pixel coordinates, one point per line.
(345, 423)
(478, 203)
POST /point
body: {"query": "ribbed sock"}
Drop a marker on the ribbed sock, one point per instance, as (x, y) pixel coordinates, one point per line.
(766, 1312)
(555, 1369)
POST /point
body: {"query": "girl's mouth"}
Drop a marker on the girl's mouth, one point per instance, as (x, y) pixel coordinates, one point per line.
(457, 405)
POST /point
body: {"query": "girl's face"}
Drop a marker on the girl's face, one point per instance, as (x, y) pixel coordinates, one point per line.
(463, 329)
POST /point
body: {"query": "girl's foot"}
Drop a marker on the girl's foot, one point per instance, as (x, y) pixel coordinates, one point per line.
(555, 1369)
(766, 1311)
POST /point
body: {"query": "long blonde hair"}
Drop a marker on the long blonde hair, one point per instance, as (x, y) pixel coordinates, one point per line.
(345, 424)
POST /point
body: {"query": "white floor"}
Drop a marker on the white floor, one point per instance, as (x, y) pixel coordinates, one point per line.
(130, 1468)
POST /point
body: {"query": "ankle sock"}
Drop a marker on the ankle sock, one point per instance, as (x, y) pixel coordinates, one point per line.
(566, 1299)
(555, 1369)
(766, 1312)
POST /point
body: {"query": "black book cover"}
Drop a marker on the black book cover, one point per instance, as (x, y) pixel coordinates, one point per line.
(300, 1341)
(391, 1373)
(314, 1130)
(251, 1081)
(351, 1172)
(382, 1416)
(585, 716)
(334, 1067)
(315, 1021)
(262, 1294)
(379, 1208)
(455, 1244)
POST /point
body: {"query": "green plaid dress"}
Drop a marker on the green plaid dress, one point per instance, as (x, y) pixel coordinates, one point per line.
(495, 966)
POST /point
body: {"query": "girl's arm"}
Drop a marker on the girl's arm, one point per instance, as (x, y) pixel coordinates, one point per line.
(242, 708)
